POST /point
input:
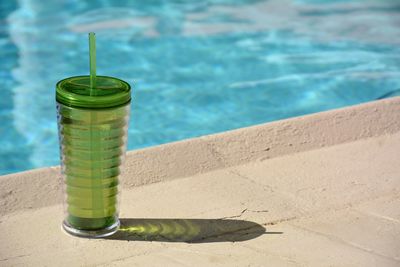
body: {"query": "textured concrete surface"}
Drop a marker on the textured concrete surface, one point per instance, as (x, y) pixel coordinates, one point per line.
(325, 205)
(335, 206)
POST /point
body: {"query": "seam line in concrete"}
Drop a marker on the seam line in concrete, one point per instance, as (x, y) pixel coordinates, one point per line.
(376, 215)
(337, 239)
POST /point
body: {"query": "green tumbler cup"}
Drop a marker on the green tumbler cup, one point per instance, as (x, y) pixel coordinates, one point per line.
(92, 125)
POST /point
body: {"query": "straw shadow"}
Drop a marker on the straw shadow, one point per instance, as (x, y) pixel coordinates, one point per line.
(188, 230)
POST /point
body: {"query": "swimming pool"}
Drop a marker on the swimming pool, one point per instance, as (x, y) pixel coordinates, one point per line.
(197, 67)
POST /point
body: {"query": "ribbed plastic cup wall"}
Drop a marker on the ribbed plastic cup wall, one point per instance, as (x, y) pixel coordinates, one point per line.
(92, 149)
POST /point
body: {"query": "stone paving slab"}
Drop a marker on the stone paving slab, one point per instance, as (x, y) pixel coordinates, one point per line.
(332, 206)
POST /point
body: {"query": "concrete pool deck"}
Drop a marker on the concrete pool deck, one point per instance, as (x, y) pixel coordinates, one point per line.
(317, 190)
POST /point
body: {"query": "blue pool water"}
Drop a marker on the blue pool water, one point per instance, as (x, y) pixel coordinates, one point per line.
(197, 67)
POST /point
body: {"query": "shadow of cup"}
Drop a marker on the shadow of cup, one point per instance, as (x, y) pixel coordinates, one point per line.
(188, 230)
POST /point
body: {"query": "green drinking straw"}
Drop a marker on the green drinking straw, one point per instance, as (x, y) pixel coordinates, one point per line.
(92, 60)
(97, 196)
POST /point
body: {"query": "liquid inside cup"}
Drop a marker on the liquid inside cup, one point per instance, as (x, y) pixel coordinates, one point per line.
(93, 143)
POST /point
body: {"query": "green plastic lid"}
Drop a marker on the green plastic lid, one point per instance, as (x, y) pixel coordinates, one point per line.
(108, 92)
(92, 91)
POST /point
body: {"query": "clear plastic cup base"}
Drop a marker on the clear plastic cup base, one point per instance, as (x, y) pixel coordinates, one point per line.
(110, 230)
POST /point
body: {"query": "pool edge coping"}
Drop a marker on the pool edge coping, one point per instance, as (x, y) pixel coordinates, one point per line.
(218, 151)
